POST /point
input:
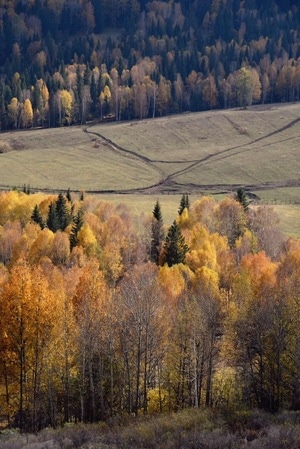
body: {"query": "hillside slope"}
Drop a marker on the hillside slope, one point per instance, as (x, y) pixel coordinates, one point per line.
(216, 151)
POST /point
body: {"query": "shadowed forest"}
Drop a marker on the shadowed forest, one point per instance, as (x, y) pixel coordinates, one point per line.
(66, 62)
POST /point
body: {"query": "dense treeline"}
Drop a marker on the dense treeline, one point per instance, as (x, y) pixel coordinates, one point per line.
(65, 62)
(107, 313)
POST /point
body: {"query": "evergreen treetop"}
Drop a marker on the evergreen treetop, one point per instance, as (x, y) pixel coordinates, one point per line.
(184, 203)
(157, 234)
(37, 217)
(241, 197)
(175, 247)
(77, 225)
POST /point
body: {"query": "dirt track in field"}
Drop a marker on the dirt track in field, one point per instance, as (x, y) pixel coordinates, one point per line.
(168, 184)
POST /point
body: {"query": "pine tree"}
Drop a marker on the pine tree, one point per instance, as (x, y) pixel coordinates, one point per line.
(26, 189)
(184, 203)
(68, 195)
(37, 217)
(62, 212)
(52, 219)
(77, 225)
(157, 234)
(175, 247)
(241, 197)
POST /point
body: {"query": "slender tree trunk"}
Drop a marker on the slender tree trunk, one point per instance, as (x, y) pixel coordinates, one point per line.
(111, 382)
(129, 397)
(101, 398)
(82, 392)
(92, 388)
(208, 398)
(138, 374)
(145, 373)
(21, 381)
(7, 396)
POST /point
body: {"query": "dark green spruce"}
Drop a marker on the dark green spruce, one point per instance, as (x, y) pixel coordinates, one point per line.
(59, 215)
(175, 247)
(77, 225)
(184, 203)
(37, 217)
(157, 234)
(242, 198)
(63, 214)
(52, 219)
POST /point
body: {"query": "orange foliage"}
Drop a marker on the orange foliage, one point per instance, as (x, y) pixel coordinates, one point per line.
(260, 270)
(173, 280)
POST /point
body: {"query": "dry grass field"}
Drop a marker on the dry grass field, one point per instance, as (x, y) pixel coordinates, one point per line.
(212, 152)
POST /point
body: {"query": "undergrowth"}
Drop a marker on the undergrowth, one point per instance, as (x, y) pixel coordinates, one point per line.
(188, 429)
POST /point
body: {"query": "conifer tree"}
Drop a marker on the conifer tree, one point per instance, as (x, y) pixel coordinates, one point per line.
(68, 195)
(77, 225)
(62, 212)
(37, 217)
(241, 197)
(26, 189)
(52, 219)
(175, 247)
(184, 203)
(157, 234)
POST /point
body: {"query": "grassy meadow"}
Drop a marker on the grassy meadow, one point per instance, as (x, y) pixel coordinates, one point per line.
(206, 153)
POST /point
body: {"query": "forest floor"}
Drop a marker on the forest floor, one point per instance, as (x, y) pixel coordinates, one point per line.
(188, 429)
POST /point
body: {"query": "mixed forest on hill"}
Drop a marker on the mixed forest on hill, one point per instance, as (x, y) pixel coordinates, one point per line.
(107, 314)
(66, 62)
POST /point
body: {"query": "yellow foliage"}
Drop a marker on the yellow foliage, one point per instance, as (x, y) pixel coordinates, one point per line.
(203, 211)
(60, 248)
(27, 114)
(111, 262)
(16, 205)
(173, 280)
(227, 391)
(260, 269)
(158, 400)
(204, 248)
(183, 220)
(87, 240)
(208, 280)
(41, 246)
(246, 243)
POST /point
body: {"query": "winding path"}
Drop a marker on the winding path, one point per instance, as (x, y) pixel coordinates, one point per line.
(167, 182)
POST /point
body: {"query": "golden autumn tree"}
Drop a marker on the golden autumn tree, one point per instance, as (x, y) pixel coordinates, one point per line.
(13, 111)
(142, 332)
(41, 94)
(248, 86)
(231, 219)
(10, 235)
(91, 305)
(64, 104)
(261, 322)
(289, 292)
(104, 99)
(26, 327)
(27, 114)
(62, 373)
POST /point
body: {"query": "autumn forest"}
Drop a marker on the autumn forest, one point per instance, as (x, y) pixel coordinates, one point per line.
(105, 313)
(108, 313)
(68, 62)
